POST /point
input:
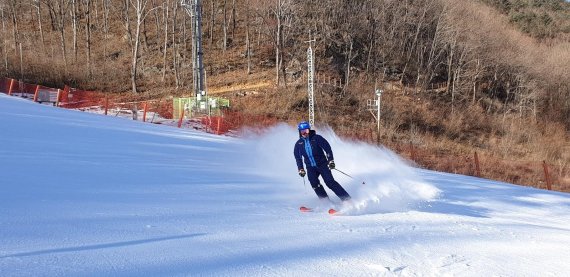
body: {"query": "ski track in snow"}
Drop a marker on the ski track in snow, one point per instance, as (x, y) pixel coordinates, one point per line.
(89, 195)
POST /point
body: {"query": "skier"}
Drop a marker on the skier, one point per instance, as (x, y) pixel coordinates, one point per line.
(318, 156)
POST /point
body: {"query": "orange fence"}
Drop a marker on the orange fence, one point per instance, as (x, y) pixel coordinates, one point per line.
(31, 91)
(538, 174)
(232, 120)
(149, 110)
(531, 173)
(72, 98)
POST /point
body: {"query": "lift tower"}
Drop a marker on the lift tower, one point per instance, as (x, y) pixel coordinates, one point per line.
(310, 81)
(194, 9)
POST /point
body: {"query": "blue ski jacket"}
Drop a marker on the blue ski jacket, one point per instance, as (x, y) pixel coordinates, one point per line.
(315, 150)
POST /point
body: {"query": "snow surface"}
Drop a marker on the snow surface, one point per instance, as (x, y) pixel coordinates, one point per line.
(88, 195)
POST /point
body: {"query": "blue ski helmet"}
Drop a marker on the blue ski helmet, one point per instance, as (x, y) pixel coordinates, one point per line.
(303, 125)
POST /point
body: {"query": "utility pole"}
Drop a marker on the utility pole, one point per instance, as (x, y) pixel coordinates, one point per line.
(379, 94)
(310, 80)
(374, 105)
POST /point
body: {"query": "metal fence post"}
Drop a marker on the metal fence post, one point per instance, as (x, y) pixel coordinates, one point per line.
(547, 176)
(477, 168)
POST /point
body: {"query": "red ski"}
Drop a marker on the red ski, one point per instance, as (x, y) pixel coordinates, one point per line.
(304, 209)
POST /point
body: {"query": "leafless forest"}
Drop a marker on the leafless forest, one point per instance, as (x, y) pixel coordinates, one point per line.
(491, 76)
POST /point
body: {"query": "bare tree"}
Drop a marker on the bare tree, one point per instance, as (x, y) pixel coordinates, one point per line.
(276, 16)
(38, 5)
(74, 24)
(233, 19)
(127, 21)
(141, 12)
(175, 60)
(279, 42)
(15, 30)
(4, 39)
(225, 28)
(165, 9)
(58, 9)
(88, 36)
(247, 38)
(106, 10)
(213, 21)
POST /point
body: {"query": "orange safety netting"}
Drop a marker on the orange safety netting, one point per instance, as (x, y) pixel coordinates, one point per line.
(232, 120)
(15, 87)
(5, 85)
(31, 91)
(71, 98)
(149, 111)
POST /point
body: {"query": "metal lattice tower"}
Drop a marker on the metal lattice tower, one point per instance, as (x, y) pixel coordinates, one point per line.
(194, 9)
(310, 81)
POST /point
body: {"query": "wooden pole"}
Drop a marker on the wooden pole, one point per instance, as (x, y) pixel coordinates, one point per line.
(11, 87)
(36, 93)
(547, 176)
(412, 151)
(219, 123)
(58, 97)
(66, 91)
(477, 168)
(106, 103)
(181, 117)
(144, 112)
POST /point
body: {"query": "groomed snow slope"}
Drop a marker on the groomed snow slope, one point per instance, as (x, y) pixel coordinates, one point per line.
(88, 195)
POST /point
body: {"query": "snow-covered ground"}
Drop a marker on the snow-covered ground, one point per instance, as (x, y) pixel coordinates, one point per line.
(90, 195)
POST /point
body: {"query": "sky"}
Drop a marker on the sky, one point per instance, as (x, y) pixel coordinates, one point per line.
(85, 194)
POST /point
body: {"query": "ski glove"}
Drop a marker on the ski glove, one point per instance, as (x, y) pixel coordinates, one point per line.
(302, 172)
(331, 164)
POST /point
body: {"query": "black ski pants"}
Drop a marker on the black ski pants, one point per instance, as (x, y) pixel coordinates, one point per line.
(313, 174)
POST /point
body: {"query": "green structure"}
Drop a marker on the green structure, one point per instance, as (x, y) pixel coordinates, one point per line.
(190, 105)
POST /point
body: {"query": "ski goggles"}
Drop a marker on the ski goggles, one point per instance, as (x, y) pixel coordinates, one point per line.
(304, 131)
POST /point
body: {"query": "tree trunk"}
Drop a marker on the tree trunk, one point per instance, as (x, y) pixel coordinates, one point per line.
(140, 10)
(278, 44)
(164, 50)
(225, 28)
(175, 46)
(450, 72)
(74, 27)
(247, 40)
(61, 26)
(127, 22)
(4, 41)
(139, 14)
(182, 43)
(21, 62)
(96, 10)
(88, 37)
(233, 19)
(105, 30)
(135, 60)
(144, 36)
(39, 12)
(348, 61)
(213, 15)
(15, 31)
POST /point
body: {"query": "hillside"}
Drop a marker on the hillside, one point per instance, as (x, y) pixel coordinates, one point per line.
(459, 77)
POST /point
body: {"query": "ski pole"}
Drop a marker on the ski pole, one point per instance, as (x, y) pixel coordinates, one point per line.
(343, 173)
(305, 184)
(363, 182)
